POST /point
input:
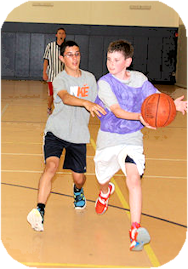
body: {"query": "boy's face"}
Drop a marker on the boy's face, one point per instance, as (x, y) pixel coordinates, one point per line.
(116, 63)
(61, 35)
(71, 58)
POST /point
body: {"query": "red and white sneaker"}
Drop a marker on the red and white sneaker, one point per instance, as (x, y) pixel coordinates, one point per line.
(139, 236)
(101, 204)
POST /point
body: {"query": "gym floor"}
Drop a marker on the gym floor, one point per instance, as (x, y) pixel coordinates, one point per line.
(84, 239)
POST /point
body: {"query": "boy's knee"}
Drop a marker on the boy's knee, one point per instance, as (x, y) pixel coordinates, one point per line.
(79, 178)
(52, 166)
(133, 181)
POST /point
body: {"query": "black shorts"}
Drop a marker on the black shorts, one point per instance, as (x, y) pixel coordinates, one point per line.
(75, 155)
(129, 160)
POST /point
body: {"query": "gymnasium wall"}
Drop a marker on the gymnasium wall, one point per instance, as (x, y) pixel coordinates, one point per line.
(93, 24)
(182, 54)
(97, 13)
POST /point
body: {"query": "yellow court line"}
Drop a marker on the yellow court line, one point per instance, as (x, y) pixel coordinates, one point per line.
(151, 255)
(147, 248)
(73, 265)
(4, 109)
(124, 203)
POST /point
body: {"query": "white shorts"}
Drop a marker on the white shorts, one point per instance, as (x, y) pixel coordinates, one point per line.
(110, 160)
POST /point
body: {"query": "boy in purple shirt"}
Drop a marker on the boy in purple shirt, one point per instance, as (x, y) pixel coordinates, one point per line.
(120, 141)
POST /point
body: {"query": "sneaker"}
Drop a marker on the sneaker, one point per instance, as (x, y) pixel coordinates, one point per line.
(139, 236)
(36, 219)
(101, 204)
(79, 198)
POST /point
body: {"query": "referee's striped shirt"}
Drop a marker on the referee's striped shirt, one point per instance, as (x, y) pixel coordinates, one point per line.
(55, 66)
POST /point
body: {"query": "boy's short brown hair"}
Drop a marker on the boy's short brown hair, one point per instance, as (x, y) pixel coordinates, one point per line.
(69, 43)
(123, 46)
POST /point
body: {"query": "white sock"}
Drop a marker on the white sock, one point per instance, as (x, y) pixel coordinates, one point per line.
(105, 195)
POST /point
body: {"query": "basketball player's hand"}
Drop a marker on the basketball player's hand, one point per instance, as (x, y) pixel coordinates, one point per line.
(145, 123)
(181, 105)
(94, 109)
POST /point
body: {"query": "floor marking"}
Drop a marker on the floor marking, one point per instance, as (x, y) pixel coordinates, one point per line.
(23, 154)
(73, 265)
(32, 143)
(171, 160)
(93, 201)
(29, 154)
(88, 156)
(87, 173)
(169, 177)
(23, 143)
(4, 109)
(147, 248)
(151, 255)
(39, 172)
(32, 172)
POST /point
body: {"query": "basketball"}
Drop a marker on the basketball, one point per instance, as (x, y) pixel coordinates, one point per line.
(158, 110)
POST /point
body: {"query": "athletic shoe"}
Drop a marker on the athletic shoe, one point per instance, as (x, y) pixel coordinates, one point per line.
(139, 237)
(101, 204)
(36, 219)
(79, 198)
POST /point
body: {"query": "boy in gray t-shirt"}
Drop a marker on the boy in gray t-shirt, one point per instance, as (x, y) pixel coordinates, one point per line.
(67, 128)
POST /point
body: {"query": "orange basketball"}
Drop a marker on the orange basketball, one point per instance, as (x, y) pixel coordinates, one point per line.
(158, 110)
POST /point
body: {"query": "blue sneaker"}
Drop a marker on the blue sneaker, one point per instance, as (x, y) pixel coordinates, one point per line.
(79, 198)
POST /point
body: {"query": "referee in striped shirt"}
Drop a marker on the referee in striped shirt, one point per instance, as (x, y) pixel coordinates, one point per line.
(52, 65)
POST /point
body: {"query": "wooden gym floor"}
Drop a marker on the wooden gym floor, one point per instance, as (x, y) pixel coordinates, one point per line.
(83, 239)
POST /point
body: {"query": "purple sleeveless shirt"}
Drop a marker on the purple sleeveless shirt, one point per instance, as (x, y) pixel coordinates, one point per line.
(129, 99)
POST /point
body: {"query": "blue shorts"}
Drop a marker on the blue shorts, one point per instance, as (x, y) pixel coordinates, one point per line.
(75, 155)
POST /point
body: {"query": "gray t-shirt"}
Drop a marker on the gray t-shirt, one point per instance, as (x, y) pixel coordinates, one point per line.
(70, 123)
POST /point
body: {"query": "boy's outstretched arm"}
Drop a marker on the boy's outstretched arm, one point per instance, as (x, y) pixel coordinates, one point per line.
(71, 100)
(123, 114)
(181, 105)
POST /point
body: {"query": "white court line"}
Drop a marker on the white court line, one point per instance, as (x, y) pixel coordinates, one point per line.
(31, 171)
(30, 154)
(4, 109)
(23, 154)
(163, 159)
(89, 174)
(40, 154)
(22, 143)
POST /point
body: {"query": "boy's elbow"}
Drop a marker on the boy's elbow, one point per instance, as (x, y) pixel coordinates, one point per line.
(65, 100)
(64, 97)
(118, 116)
(116, 110)
(117, 113)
